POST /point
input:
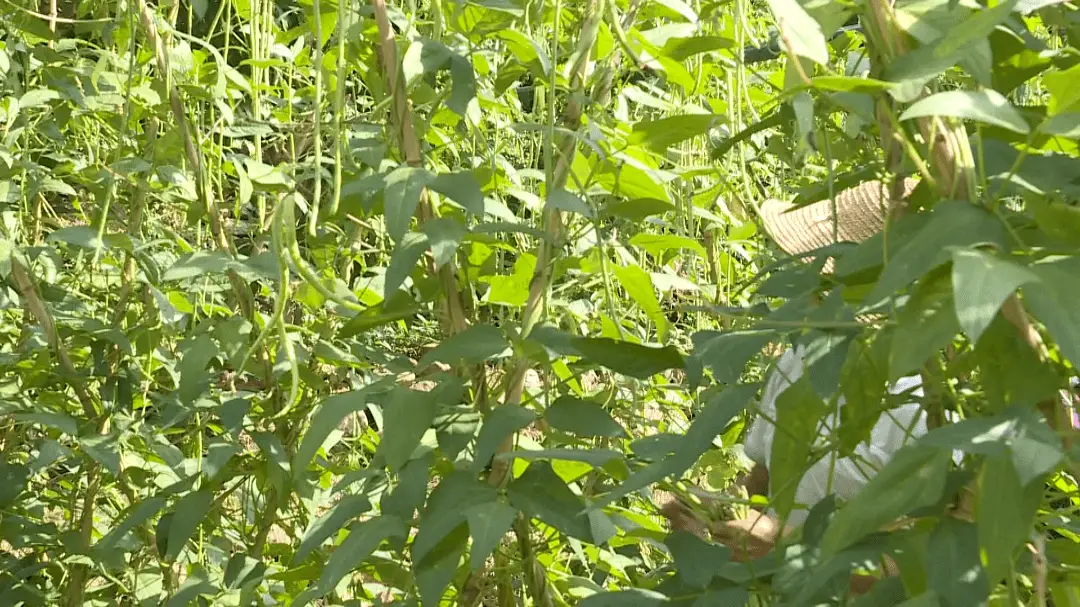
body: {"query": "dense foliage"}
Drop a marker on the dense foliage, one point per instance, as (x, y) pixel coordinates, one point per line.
(335, 303)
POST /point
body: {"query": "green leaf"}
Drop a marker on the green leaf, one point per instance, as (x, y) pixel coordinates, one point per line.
(850, 84)
(445, 512)
(198, 264)
(660, 134)
(512, 290)
(639, 286)
(563, 200)
(411, 489)
(13, 481)
(955, 573)
(138, 515)
(1005, 514)
(364, 538)
(727, 352)
(474, 345)
(540, 493)
(445, 235)
(194, 380)
(657, 244)
(462, 188)
(1061, 84)
(628, 358)
(801, 31)
(188, 515)
(595, 458)
(696, 561)
(583, 418)
(408, 251)
(986, 106)
(682, 48)
(404, 186)
(1053, 301)
(710, 421)
(949, 224)
(426, 56)
(981, 283)
(1059, 221)
(406, 417)
(328, 416)
(637, 597)
(195, 586)
(798, 411)
(242, 570)
(348, 508)
(499, 424)
(488, 524)
(927, 323)
(914, 478)
(218, 453)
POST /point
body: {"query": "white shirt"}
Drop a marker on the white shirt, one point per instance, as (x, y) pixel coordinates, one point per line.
(895, 428)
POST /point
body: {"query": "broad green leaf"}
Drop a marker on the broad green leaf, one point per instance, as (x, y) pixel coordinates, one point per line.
(218, 453)
(569, 202)
(198, 264)
(583, 418)
(1004, 514)
(639, 286)
(628, 358)
(411, 489)
(1059, 221)
(981, 283)
(499, 424)
(407, 252)
(190, 512)
(138, 515)
(696, 561)
(955, 573)
(242, 570)
(707, 424)
(404, 185)
(195, 586)
(987, 106)
(727, 352)
(512, 290)
(488, 524)
(1011, 372)
(1061, 84)
(364, 538)
(1052, 299)
(434, 575)
(194, 378)
(446, 512)
(927, 323)
(801, 31)
(914, 478)
(426, 56)
(348, 508)
(657, 244)
(1062, 125)
(13, 481)
(328, 416)
(473, 345)
(462, 188)
(540, 493)
(595, 458)
(949, 224)
(680, 49)
(660, 134)
(798, 412)
(406, 417)
(445, 235)
(104, 450)
(850, 84)
(637, 597)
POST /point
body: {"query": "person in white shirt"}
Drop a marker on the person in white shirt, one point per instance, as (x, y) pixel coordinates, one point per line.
(859, 213)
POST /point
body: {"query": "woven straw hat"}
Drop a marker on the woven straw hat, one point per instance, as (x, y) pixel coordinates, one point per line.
(860, 213)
